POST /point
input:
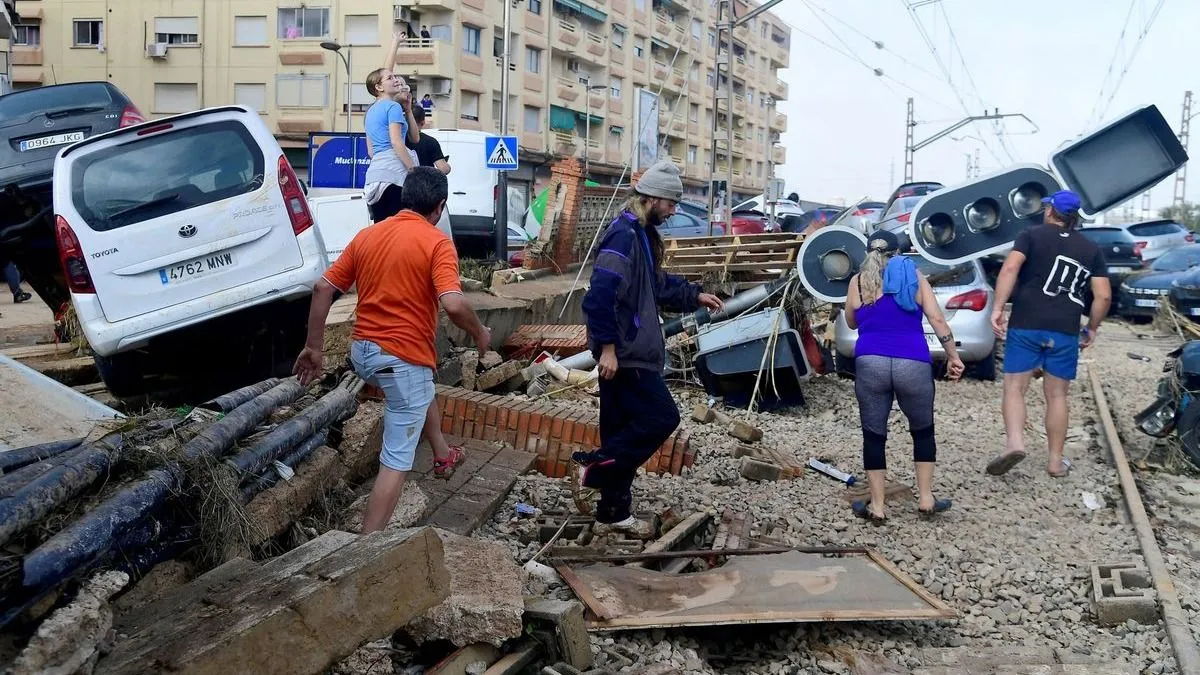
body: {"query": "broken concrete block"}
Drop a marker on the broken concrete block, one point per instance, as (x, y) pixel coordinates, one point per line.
(1123, 591)
(490, 360)
(486, 601)
(744, 431)
(275, 509)
(70, 640)
(702, 413)
(565, 617)
(754, 469)
(373, 658)
(409, 510)
(470, 368)
(741, 450)
(490, 379)
(298, 613)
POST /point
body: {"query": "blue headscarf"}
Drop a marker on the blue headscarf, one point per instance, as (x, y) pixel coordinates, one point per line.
(900, 281)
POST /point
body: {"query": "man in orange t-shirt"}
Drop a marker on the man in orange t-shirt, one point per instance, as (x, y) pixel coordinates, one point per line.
(404, 268)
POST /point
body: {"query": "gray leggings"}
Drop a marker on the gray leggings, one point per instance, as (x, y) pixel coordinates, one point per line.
(877, 381)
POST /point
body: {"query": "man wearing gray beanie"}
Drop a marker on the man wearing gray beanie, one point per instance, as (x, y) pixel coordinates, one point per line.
(637, 412)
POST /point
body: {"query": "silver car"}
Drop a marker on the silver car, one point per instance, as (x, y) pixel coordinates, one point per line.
(966, 299)
(1155, 237)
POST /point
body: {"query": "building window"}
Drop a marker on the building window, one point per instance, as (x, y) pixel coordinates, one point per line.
(298, 23)
(697, 28)
(177, 30)
(471, 37)
(535, 7)
(618, 37)
(639, 48)
(691, 154)
(249, 31)
(710, 78)
(362, 29)
(496, 112)
(533, 119)
(302, 91)
(360, 100)
(712, 39)
(639, 5)
(765, 27)
(615, 85)
(441, 32)
(175, 97)
(27, 36)
(533, 60)
(469, 107)
(694, 112)
(750, 96)
(88, 32)
(694, 72)
(251, 95)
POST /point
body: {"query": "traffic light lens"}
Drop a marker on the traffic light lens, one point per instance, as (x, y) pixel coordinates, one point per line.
(983, 215)
(836, 265)
(937, 230)
(1027, 200)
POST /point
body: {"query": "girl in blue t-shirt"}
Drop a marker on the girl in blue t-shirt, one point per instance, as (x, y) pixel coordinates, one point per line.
(389, 124)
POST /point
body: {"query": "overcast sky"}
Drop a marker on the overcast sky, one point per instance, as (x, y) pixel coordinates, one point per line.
(1045, 58)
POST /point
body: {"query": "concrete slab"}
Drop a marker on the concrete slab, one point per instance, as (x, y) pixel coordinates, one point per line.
(28, 323)
(298, 613)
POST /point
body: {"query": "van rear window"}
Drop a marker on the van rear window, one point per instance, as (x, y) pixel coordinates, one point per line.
(49, 99)
(164, 174)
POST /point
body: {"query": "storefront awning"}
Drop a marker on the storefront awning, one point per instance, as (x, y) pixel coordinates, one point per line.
(660, 44)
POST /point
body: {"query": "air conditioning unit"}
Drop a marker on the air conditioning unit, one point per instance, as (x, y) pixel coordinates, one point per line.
(573, 65)
(157, 50)
(440, 87)
(401, 13)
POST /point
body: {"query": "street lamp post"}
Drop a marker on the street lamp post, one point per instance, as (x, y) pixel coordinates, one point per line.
(336, 47)
(588, 88)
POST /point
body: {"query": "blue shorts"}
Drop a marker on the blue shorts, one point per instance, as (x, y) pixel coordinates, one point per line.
(1056, 353)
(407, 392)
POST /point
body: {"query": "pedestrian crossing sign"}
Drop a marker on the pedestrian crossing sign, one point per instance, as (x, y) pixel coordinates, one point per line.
(501, 152)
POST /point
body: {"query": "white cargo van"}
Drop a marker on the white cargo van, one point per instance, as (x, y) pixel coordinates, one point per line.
(186, 240)
(472, 200)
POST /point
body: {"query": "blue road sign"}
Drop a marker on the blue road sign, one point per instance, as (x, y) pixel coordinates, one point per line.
(500, 152)
(337, 160)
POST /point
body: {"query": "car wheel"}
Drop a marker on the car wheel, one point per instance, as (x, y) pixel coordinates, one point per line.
(843, 365)
(985, 369)
(123, 374)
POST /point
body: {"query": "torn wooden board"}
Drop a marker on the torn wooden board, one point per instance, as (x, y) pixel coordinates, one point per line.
(769, 588)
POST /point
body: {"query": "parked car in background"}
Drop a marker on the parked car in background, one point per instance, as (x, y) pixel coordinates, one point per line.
(683, 224)
(965, 297)
(38, 123)
(904, 199)
(1139, 294)
(744, 222)
(1156, 237)
(1185, 294)
(783, 207)
(189, 249)
(863, 216)
(1121, 253)
(693, 209)
(815, 218)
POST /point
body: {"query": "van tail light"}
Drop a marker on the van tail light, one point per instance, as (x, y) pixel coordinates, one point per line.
(975, 301)
(131, 116)
(74, 262)
(293, 197)
(1137, 248)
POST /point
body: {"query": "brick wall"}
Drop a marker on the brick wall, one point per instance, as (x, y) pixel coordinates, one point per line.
(550, 431)
(574, 213)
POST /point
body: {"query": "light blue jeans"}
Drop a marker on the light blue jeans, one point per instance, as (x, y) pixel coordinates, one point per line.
(408, 393)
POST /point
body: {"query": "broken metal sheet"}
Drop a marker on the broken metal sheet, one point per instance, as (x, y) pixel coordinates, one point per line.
(770, 588)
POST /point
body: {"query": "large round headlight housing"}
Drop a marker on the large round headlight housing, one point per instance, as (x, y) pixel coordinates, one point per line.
(1027, 199)
(836, 265)
(936, 230)
(982, 215)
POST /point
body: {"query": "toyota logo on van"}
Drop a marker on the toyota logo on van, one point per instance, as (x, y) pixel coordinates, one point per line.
(187, 231)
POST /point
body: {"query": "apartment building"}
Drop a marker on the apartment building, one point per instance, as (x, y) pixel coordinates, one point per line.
(583, 73)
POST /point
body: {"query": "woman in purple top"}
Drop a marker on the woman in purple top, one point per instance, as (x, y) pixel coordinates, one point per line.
(891, 359)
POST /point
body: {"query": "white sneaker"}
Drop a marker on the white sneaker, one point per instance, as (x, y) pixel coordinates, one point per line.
(638, 529)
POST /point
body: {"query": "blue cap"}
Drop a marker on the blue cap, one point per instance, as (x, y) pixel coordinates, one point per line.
(1063, 201)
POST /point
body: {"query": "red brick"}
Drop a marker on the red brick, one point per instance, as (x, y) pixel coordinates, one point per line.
(535, 422)
(676, 460)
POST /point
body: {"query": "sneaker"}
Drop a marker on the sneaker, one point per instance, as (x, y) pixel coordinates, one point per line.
(18, 298)
(638, 529)
(444, 468)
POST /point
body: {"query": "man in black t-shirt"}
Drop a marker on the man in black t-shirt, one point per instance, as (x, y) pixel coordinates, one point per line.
(1047, 274)
(429, 151)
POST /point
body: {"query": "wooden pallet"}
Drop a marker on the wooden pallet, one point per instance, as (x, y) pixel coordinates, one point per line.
(744, 259)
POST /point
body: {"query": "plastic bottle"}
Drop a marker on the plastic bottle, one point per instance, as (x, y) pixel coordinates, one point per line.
(831, 471)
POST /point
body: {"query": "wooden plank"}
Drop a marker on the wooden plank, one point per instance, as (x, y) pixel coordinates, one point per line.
(676, 536)
(732, 256)
(750, 246)
(912, 585)
(37, 351)
(584, 593)
(515, 662)
(736, 238)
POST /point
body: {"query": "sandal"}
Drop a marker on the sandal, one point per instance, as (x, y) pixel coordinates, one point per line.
(1001, 464)
(862, 509)
(444, 468)
(939, 505)
(1066, 469)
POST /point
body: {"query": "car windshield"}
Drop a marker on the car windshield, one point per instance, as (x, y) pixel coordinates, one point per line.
(940, 275)
(1177, 260)
(900, 207)
(49, 99)
(1106, 235)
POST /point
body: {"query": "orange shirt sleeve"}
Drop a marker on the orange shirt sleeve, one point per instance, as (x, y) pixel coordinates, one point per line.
(344, 270)
(445, 269)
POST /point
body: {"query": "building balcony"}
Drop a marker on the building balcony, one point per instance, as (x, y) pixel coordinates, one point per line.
(567, 35)
(660, 71)
(779, 154)
(779, 122)
(425, 58)
(424, 5)
(6, 21)
(694, 87)
(742, 33)
(779, 89)
(663, 28)
(566, 91)
(778, 54)
(678, 80)
(566, 144)
(596, 44)
(739, 104)
(596, 100)
(595, 150)
(533, 140)
(512, 64)
(26, 56)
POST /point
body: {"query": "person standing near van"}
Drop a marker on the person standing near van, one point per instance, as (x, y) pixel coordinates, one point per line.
(628, 284)
(389, 128)
(1047, 274)
(428, 149)
(405, 269)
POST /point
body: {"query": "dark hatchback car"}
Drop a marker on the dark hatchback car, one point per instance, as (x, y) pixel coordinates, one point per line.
(1185, 294)
(1139, 294)
(35, 124)
(1121, 252)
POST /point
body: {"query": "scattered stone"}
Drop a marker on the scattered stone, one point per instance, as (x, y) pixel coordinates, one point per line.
(72, 638)
(490, 360)
(758, 470)
(490, 379)
(470, 368)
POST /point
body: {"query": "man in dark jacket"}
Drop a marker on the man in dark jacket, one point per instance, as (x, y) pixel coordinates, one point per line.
(628, 286)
